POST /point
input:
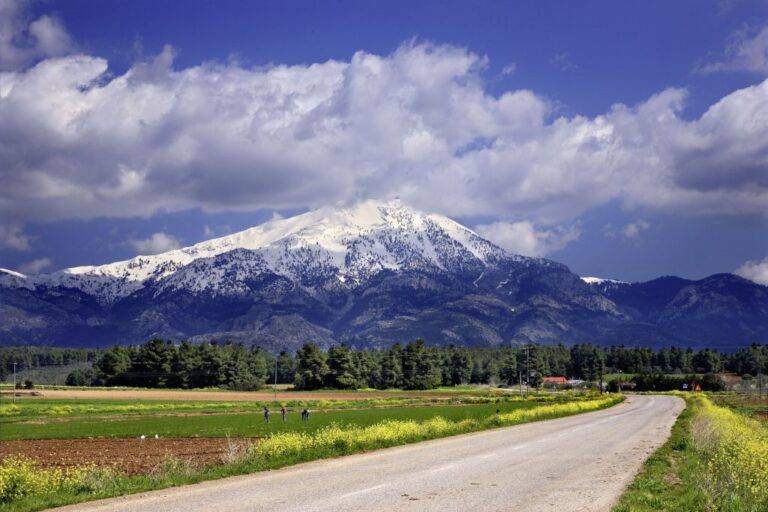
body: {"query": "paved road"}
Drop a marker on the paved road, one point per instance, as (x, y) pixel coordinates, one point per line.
(579, 463)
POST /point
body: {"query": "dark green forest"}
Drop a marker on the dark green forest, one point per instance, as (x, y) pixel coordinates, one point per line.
(415, 365)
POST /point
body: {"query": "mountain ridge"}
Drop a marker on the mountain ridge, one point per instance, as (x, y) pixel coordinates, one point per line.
(368, 275)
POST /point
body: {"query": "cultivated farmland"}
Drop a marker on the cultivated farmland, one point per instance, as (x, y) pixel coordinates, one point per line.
(168, 439)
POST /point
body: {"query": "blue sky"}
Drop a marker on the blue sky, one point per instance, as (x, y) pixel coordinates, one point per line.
(624, 140)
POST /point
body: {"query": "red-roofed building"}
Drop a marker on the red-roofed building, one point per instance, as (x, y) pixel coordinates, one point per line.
(556, 380)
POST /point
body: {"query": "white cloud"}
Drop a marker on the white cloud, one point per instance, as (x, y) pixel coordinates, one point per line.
(747, 50)
(23, 40)
(633, 229)
(509, 69)
(155, 244)
(12, 237)
(35, 266)
(756, 271)
(524, 238)
(79, 142)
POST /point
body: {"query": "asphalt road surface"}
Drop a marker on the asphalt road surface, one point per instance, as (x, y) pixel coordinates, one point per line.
(579, 463)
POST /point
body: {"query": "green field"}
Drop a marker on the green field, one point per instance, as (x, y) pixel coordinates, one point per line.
(43, 418)
(238, 419)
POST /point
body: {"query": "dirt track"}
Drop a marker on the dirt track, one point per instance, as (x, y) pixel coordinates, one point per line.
(216, 396)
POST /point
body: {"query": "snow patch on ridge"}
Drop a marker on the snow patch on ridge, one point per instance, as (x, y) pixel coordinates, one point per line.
(600, 280)
(13, 273)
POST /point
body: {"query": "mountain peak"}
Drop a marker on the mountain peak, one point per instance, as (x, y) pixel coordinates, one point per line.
(351, 243)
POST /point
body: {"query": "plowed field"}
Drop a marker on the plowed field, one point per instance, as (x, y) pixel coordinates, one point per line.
(131, 456)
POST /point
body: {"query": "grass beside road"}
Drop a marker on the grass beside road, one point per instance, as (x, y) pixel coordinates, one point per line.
(716, 459)
(18, 481)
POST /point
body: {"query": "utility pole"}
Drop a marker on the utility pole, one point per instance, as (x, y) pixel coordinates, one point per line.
(13, 393)
(600, 365)
(527, 368)
(275, 388)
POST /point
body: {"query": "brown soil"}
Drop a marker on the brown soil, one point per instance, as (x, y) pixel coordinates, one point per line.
(215, 396)
(131, 456)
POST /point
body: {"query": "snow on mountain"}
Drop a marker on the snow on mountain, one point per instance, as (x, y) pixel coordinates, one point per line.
(12, 279)
(13, 273)
(600, 280)
(347, 244)
(604, 285)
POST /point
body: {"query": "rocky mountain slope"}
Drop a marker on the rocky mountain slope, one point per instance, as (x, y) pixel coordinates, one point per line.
(368, 275)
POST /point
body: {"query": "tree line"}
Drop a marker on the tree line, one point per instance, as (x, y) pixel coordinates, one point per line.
(415, 365)
(34, 357)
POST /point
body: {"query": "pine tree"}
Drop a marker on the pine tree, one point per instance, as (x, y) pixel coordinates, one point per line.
(461, 366)
(312, 367)
(392, 368)
(341, 366)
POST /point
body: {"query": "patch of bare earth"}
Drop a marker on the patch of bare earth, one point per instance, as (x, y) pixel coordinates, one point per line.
(130, 456)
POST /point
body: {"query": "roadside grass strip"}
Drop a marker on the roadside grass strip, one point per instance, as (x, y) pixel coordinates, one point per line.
(715, 460)
(24, 486)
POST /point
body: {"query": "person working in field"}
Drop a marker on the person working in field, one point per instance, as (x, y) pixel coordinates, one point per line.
(305, 415)
(284, 413)
(266, 414)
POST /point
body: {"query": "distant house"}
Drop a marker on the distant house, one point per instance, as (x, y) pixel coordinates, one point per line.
(556, 380)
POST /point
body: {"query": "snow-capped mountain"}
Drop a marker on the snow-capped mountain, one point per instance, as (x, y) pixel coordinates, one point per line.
(369, 275)
(349, 245)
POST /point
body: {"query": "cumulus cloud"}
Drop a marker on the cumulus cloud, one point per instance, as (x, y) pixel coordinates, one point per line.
(77, 141)
(524, 238)
(155, 244)
(633, 229)
(23, 40)
(35, 266)
(12, 237)
(747, 50)
(756, 271)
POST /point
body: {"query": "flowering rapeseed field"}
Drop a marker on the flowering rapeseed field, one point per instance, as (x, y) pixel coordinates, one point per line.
(735, 449)
(337, 440)
(20, 477)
